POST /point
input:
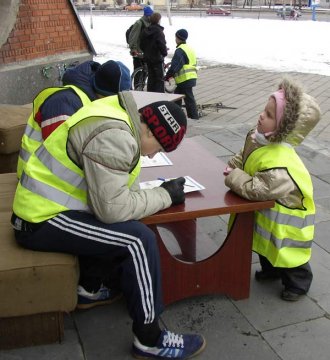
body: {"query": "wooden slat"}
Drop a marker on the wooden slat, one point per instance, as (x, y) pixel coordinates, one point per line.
(31, 330)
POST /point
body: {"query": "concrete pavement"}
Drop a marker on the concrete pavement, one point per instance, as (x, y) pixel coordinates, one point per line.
(258, 328)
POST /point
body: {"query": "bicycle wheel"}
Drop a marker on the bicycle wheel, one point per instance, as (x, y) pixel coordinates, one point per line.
(139, 79)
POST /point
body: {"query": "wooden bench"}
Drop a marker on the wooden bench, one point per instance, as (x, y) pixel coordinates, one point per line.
(36, 288)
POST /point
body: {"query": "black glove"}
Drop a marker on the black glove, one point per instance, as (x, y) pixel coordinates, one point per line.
(175, 189)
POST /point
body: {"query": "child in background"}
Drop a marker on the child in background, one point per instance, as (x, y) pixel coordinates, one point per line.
(183, 69)
(268, 168)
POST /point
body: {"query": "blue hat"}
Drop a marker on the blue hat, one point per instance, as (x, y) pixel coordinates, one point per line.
(111, 77)
(147, 11)
(182, 34)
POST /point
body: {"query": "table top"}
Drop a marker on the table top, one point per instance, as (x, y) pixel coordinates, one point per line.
(190, 158)
(143, 98)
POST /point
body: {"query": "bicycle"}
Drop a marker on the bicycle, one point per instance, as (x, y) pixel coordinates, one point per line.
(139, 78)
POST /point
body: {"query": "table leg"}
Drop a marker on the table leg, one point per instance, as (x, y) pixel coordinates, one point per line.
(227, 271)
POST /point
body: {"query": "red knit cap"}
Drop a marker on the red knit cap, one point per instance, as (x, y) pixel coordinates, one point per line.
(167, 122)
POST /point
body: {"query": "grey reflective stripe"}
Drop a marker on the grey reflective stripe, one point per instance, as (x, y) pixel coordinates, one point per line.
(284, 219)
(278, 243)
(24, 155)
(185, 71)
(51, 193)
(32, 133)
(60, 170)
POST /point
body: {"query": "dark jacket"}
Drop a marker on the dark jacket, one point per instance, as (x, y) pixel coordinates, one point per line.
(153, 43)
(65, 103)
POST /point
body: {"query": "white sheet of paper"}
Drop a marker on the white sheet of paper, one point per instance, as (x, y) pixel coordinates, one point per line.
(160, 159)
(189, 186)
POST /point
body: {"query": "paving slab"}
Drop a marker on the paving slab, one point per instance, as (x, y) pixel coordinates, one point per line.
(265, 310)
(229, 334)
(303, 341)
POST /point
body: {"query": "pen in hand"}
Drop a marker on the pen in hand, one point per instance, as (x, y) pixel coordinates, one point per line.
(163, 179)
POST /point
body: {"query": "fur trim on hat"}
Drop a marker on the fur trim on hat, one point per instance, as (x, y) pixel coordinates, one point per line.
(301, 114)
(293, 93)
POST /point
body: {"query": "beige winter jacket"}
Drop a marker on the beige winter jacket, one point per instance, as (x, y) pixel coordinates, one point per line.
(273, 184)
(107, 151)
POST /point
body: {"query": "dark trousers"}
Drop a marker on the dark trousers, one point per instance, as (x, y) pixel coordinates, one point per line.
(155, 77)
(189, 100)
(297, 279)
(137, 62)
(127, 254)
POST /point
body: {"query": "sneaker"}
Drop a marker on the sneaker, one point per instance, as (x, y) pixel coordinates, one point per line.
(170, 346)
(267, 275)
(288, 295)
(87, 300)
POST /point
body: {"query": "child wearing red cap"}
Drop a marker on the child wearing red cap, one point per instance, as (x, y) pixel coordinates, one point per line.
(80, 195)
(268, 168)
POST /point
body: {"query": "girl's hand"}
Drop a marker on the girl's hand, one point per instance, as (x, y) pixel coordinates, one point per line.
(227, 170)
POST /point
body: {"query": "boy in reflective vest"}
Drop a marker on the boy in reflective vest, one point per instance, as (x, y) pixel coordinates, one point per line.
(183, 69)
(268, 168)
(83, 83)
(79, 194)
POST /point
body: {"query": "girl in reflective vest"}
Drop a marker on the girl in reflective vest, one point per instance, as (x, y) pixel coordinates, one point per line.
(268, 168)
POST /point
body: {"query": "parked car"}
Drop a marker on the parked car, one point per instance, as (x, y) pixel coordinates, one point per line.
(288, 11)
(134, 7)
(217, 11)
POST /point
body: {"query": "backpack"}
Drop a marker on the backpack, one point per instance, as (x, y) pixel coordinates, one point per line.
(128, 31)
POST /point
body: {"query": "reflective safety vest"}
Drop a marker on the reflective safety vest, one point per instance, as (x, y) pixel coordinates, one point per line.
(32, 137)
(188, 71)
(51, 182)
(283, 235)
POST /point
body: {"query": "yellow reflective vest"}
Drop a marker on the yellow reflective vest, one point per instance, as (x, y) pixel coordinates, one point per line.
(283, 235)
(32, 137)
(188, 71)
(51, 182)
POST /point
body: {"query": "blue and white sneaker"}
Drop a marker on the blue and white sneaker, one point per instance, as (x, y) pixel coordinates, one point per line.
(170, 346)
(87, 300)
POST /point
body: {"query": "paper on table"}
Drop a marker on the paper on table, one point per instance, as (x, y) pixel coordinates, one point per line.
(189, 186)
(160, 159)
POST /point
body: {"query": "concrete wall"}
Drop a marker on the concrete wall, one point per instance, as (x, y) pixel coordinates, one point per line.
(38, 39)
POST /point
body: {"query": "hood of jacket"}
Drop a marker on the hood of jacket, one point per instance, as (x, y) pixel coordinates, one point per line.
(152, 30)
(81, 76)
(309, 115)
(300, 115)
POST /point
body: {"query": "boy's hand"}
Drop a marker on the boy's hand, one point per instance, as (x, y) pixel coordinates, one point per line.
(175, 188)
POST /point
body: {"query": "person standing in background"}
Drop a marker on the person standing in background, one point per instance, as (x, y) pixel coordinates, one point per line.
(153, 45)
(135, 36)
